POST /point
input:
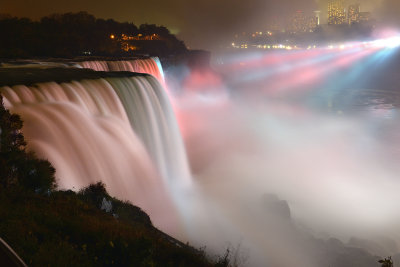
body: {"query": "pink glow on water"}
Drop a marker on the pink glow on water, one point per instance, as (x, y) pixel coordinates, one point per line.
(150, 66)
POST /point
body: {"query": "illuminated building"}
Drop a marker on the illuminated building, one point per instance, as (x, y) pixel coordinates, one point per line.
(353, 14)
(313, 23)
(297, 22)
(318, 16)
(336, 12)
(300, 23)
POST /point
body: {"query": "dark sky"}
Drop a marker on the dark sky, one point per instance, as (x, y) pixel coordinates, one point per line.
(201, 23)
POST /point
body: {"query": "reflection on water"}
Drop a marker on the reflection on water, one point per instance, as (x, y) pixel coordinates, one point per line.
(366, 102)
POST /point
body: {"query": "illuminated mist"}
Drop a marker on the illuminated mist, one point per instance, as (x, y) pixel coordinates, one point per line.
(315, 128)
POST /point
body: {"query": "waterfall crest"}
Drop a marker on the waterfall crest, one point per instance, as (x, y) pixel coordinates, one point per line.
(150, 66)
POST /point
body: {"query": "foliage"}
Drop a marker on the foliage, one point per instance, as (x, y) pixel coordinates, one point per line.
(76, 34)
(95, 193)
(224, 260)
(63, 230)
(17, 166)
(387, 262)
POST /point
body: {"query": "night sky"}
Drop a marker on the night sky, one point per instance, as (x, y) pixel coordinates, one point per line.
(201, 24)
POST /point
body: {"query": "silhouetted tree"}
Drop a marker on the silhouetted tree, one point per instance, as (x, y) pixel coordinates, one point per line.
(17, 166)
(74, 34)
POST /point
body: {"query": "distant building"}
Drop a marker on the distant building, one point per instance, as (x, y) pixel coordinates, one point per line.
(353, 14)
(365, 16)
(297, 22)
(275, 25)
(301, 23)
(317, 14)
(313, 23)
(336, 12)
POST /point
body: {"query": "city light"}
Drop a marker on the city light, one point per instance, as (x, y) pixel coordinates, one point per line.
(392, 42)
(302, 29)
(386, 43)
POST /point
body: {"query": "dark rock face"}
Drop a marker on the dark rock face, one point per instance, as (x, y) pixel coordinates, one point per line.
(277, 207)
(383, 246)
(340, 255)
(323, 252)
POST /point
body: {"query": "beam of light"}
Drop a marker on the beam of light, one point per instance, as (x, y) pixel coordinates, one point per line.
(300, 65)
(392, 42)
(315, 73)
(277, 72)
(279, 64)
(354, 77)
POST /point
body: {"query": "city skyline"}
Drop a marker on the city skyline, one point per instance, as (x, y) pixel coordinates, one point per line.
(303, 29)
(336, 13)
(203, 24)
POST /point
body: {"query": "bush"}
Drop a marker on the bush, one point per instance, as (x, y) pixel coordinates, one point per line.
(96, 193)
(387, 262)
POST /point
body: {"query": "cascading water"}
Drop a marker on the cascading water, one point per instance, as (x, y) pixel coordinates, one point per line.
(157, 129)
(149, 65)
(161, 139)
(85, 130)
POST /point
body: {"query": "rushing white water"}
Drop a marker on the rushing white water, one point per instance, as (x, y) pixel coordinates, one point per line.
(148, 65)
(158, 129)
(121, 131)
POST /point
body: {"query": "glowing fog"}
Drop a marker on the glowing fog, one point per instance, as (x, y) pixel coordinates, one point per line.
(310, 127)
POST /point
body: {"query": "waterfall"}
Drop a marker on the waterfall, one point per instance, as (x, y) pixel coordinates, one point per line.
(156, 128)
(148, 65)
(121, 131)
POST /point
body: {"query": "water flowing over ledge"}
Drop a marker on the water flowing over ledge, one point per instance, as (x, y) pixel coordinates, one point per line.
(28, 69)
(150, 66)
(115, 127)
